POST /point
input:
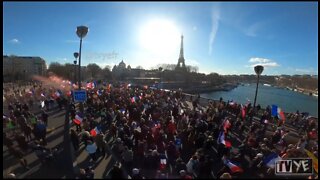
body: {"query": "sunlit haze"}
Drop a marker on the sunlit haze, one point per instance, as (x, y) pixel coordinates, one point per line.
(227, 38)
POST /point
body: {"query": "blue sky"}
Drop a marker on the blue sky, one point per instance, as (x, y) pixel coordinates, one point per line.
(227, 38)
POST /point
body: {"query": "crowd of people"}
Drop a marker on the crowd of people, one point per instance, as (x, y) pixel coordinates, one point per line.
(25, 122)
(161, 134)
(156, 134)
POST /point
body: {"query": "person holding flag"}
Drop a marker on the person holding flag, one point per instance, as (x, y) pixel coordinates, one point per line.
(277, 112)
(77, 121)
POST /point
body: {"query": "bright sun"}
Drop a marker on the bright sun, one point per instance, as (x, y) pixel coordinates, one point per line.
(160, 37)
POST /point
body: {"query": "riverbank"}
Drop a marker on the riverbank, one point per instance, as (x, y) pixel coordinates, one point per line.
(199, 88)
(307, 92)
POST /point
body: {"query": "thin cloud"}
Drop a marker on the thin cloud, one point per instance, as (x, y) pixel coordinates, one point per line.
(263, 62)
(269, 64)
(215, 25)
(252, 30)
(14, 41)
(259, 60)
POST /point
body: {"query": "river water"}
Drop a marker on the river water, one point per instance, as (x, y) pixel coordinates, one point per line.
(288, 101)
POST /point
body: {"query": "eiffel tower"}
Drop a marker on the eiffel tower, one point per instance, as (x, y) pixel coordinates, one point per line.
(181, 58)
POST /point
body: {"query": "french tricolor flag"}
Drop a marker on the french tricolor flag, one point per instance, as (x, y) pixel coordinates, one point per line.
(270, 160)
(133, 99)
(222, 140)
(91, 85)
(95, 131)
(78, 119)
(69, 93)
(56, 95)
(233, 167)
(163, 164)
(276, 111)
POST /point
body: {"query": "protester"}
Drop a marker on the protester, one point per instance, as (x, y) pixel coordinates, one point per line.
(74, 139)
(101, 143)
(157, 132)
(91, 149)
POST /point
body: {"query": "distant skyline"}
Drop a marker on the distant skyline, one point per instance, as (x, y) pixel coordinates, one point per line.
(226, 38)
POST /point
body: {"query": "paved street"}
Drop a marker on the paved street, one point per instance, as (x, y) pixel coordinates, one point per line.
(62, 167)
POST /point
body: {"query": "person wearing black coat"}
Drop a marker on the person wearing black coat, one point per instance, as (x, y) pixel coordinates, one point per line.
(116, 172)
(74, 139)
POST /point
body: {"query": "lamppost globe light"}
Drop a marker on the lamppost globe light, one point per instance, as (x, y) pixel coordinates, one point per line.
(76, 55)
(82, 31)
(258, 69)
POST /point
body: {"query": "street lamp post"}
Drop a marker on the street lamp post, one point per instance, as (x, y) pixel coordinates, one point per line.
(81, 32)
(160, 83)
(76, 55)
(258, 69)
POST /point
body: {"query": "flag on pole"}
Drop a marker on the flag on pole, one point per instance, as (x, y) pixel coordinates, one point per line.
(222, 140)
(69, 93)
(233, 167)
(270, 160)
(78, 119)
(91, 85)
(133, 100)
(276, 111)
(163, 163)
(95, 131)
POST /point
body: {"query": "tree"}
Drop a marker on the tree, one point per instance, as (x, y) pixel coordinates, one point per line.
(56, 68)
(70, 71)
(192, 68)
(106, 73)
(166, 66)
(94, 70)
(215, 79)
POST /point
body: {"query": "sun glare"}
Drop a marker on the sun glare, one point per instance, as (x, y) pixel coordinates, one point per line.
(160, 37)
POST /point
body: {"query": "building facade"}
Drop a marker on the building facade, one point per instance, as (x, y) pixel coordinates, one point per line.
(22, 67)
